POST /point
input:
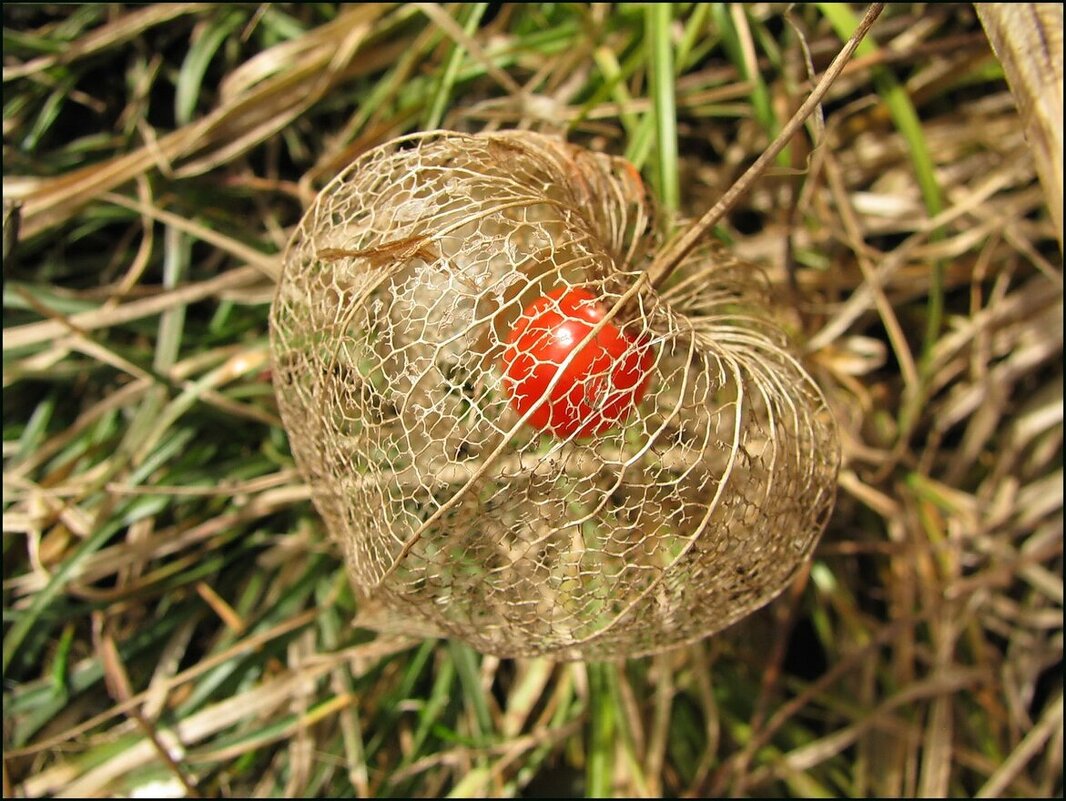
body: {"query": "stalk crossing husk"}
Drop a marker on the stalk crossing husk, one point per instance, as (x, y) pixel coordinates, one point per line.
(398, 294)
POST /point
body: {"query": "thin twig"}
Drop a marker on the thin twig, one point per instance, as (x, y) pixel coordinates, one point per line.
(118, 685)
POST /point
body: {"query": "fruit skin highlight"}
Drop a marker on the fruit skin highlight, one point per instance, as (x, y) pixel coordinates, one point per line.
(598, 389)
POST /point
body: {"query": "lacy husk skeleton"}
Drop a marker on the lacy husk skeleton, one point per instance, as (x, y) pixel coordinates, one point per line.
(399, 290)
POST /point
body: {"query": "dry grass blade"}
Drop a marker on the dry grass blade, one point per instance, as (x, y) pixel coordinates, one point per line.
(115, 33)
(1049, 726)
(239, 123)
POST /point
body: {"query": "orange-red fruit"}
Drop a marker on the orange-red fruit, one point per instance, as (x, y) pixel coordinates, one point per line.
(600, 386)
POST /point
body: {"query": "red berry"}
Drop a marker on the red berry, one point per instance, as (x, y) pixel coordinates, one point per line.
(597, 390)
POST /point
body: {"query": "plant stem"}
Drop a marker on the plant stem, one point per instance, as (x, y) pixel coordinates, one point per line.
(671, 256)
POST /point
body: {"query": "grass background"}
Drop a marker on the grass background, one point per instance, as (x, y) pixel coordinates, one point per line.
(175, 618)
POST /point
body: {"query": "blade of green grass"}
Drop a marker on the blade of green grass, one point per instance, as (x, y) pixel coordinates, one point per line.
(281, 27)
(466, 663)
(32, 616)
(614, 83)
(415, 666)
(600, 752)
(214, 683)
(61, 662)
(37, 426)
(439, 698)
(193, 69)
(439, 100)
(178, 251)
(661, 70)
(333, 628)
(735, 49)
(694, 29)
(377, 101)
(48, 114)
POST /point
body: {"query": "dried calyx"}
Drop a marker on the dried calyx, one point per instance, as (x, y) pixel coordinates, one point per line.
(516, 439)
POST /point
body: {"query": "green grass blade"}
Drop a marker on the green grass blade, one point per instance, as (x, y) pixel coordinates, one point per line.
(661, 78)
(439, 698)
(614, 81)
(439, 101)
(191, 77)
(600, 756)
(48, 114)
(760, 94)
(466, 664)
(30, 618)
(172, 321)
(695, 28)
